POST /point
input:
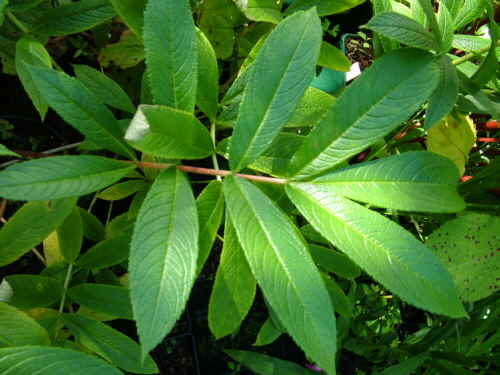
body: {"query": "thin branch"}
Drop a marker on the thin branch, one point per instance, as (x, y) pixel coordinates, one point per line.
(208, 171)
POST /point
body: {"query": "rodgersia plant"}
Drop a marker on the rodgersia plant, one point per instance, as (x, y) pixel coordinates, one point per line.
(281, 189)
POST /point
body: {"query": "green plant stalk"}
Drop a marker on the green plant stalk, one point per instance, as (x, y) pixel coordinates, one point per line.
(214, 155)
(471, 55)
(209, 171)
(17, 22)
(65, 287)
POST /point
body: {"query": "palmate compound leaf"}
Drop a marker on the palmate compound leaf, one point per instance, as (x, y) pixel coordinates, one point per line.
(233, 291)
(168, 132)
(412, 181)
(284, 270)
(384, 96)
(387, 252)
(60, 177)
(46, 360)
(282, 71)
(163, 256)
(171, 53)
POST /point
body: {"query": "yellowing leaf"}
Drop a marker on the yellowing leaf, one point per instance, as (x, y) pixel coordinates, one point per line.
(453, 138)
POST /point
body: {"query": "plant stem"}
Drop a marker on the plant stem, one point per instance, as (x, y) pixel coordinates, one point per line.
(208, 171)
(16, 22)
(214, 155)
(471, 55)
(66, 284)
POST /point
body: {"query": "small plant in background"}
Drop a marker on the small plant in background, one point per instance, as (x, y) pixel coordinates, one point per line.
(340, 218)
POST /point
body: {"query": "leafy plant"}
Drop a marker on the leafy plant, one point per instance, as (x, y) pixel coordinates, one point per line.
(296, 208)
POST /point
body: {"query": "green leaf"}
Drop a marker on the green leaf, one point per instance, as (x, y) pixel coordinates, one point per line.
(445, 96)
(218, 20)
(312, 235)
(284, 270)
(260, 10)
(126, 53)
(30, 291)
(74, 17)
(268, 333)
(132, 12)
(169, 132)
(29, 226)
(489, 66)
(469, 11)
(387, 252)
(122, 190)
(371, 107)
(403, 29)
(106, 253)
(121, 224)
(274, 88)
(233, 291)
(93, 229)
(333, 58)
(104, 88)
(453, 137)
(311, 107)
(412, 181)
(29, 51)
(470, 43)
(275, 159)
(408, 366)
(210, 207)
(60, 176)
(23, 5)
(78, 106)
(340, 301)
(446, 27)
(70, 235)
(4, 151)
(468, 246)
(19, 329)
(171, 53)
(107, 299)
(334, 261)
(45, 360)
(3, 5)
(207, 94)
(265, 365)
(324, 7)
(109, 343)
(163, 256)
